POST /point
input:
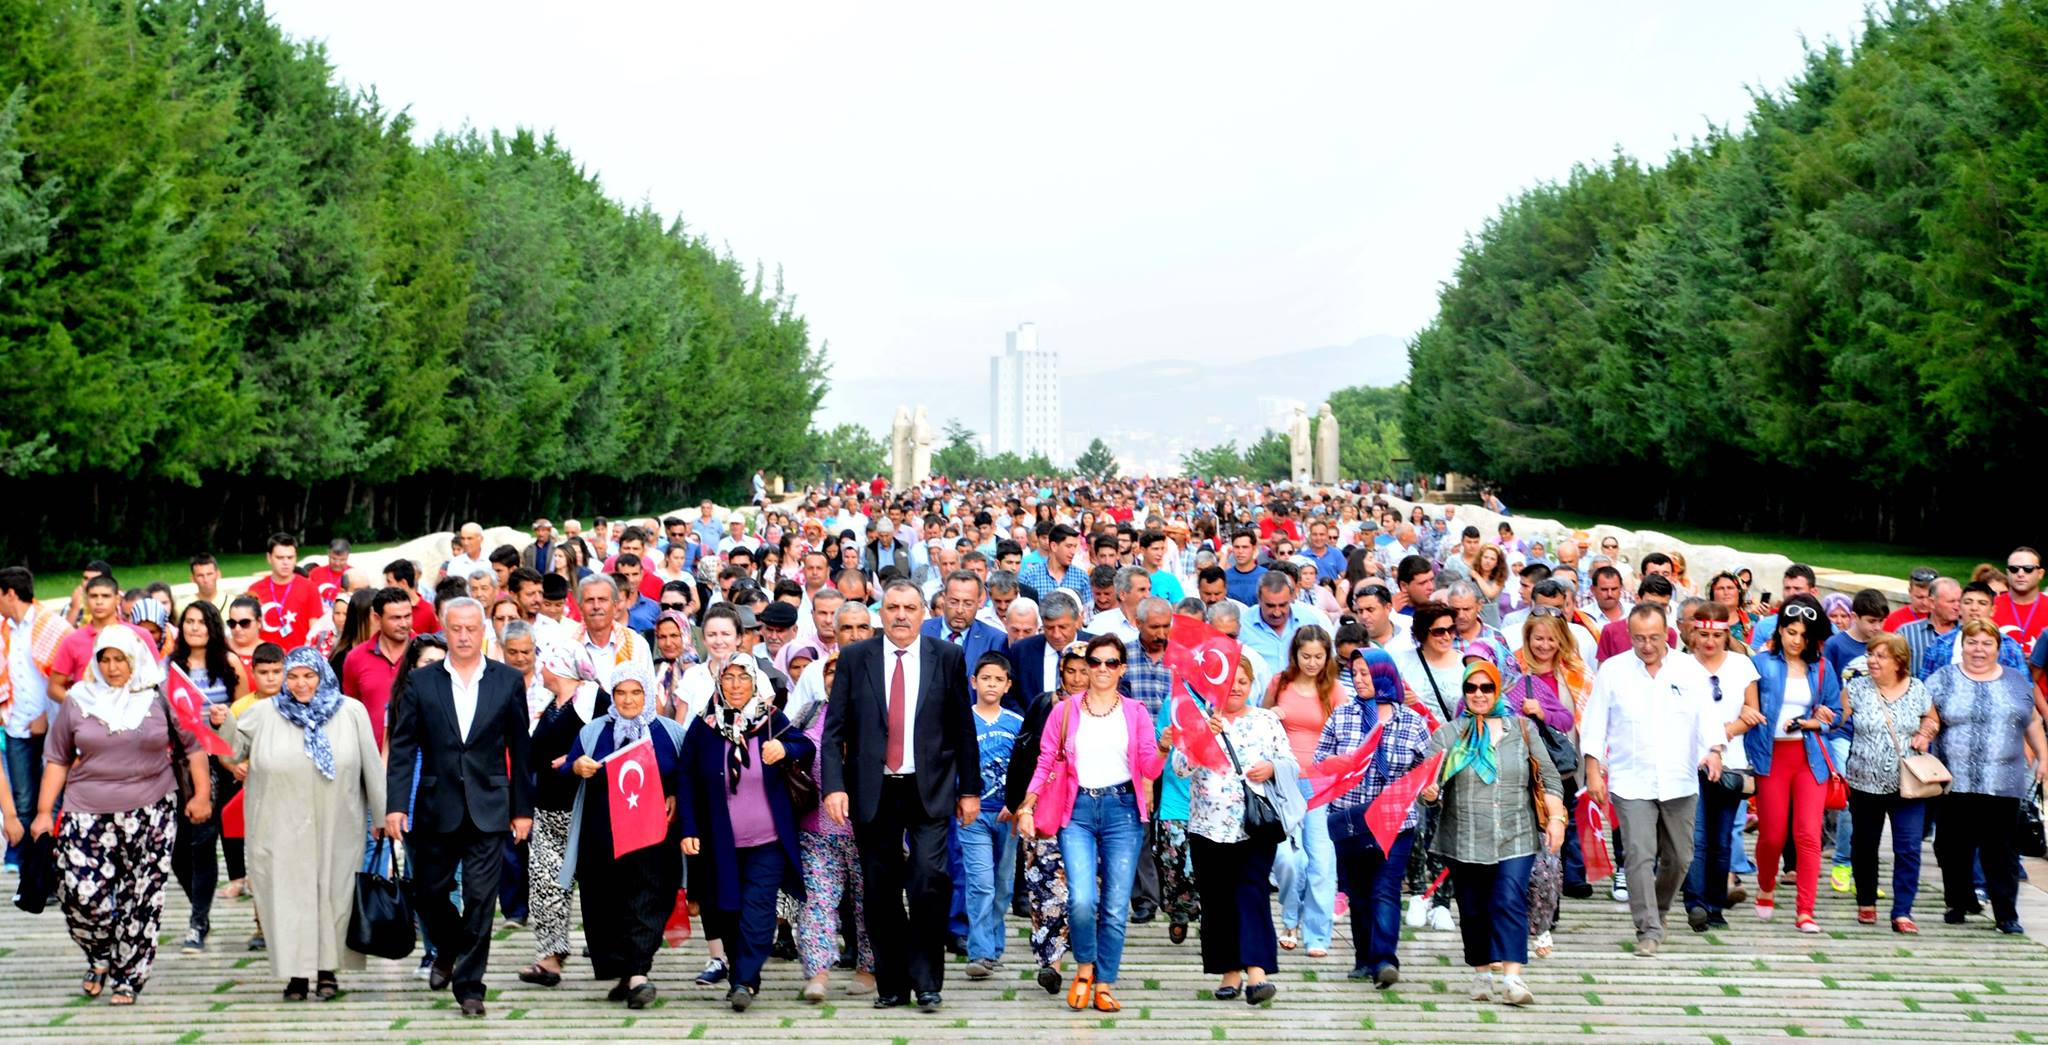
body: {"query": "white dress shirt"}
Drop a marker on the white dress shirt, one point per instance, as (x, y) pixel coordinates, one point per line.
(913, 669)
(1650, 732)
(465, 692)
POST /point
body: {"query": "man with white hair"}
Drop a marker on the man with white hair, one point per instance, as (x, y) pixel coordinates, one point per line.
(470, 556)
(1022, 620)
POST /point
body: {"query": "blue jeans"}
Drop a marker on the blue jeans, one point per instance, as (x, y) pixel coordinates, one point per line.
(25, 779)
(1101, 844)
(1307, 877)
(1738, 857)
(990, 860)
(1706, 879)
(956, 915)
(1909, 821)
(1493, 909)
(1373, 881)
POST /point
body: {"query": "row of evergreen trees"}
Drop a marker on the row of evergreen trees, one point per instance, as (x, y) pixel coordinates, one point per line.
(226, 276)
(1832, 319)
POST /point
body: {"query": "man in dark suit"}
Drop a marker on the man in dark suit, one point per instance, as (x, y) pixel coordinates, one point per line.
(899, 756)
(957, 625)
(540, 555)
(1037, 657)
(464, 720)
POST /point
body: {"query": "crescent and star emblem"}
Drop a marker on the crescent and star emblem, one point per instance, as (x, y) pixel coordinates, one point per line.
(633, 796)
(1222, 665)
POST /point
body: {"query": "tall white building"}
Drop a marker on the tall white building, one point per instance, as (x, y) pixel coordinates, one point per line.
(1024, 397)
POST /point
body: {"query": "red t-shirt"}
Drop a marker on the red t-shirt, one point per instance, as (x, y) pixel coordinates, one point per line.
(74, 651)
(1900, 617)
(423, 620)
(328, 582)
(2023, 623)
(367, 676)
(289, 610)
(1270, 525)
(1614, 638)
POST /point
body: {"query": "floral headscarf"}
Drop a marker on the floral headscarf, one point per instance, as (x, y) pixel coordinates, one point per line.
(738, 725)
(630, 730)
(314, 715)
(566, 659)
(1474, 746)
(120, 709)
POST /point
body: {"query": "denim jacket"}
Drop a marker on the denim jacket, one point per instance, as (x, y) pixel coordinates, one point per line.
(1770, 696)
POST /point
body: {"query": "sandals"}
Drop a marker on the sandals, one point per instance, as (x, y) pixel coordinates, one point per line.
(1766, 906)
(1177, 932)
(1866, 916)
(1905, 926)
(1081, 993)
(540, 975)
(325, 986)
(1318, 952)
(295, 989)
(1543, 944)
(1105, 1001)
(95, 981)
(1290, 939)
(123, 995)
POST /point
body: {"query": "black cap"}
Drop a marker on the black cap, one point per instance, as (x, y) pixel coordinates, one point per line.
(778, 615)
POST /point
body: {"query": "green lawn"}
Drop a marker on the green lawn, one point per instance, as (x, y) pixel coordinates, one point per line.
(179, 571)
(1884, 560)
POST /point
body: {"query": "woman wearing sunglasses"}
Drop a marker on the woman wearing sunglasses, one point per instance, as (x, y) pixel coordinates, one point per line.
(1109, 745)
(1431, 674)
(1800, 704)
(1491, 769)
(1731, 681)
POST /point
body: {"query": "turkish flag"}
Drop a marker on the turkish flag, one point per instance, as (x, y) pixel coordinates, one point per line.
(1340, 773)
(1387, 811)
(639, 809)
(189, 705)
(1193, 738)
(231, 822)
(1593, 820)
(1203, 656)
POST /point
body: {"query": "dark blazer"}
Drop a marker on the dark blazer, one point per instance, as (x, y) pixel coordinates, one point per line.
(705, 815)
(1027, 659)
(462, 779)
(539, 557)
(857, 729)
(979, 638)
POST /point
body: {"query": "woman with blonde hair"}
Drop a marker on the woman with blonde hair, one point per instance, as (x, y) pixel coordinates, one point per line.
(1303, 696)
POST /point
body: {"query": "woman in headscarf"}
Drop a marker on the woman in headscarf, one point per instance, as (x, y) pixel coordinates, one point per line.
(626, 898)
(1492, 762)
(673, 656)
(109, 754)
(739, 826)
(1370, 876)
(568, 676)
(314, 776)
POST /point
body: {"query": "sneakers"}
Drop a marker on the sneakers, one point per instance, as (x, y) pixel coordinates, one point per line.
(1514, 992)
(1618, 892)
(1838, 879)
(1440, 919)
(982, 968)
(1699, 918)
(194, 942)
(2012, 928)
(1388, 976)
(426, 968)
(1418, 911)
(1647, 946)
(714, 972)
(1482, 987)
(258, 943)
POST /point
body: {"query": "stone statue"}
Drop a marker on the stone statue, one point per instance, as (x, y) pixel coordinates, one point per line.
(899, 449)
(920, 447)
(1326, 446)
(1298, 452)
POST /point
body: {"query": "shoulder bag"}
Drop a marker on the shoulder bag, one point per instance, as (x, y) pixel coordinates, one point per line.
(181, 770)
(1920, 775)
(1536, 792)
(1262, 822)
(1564, 755)
(381, 922)
(1837, 786)
(1055, 804)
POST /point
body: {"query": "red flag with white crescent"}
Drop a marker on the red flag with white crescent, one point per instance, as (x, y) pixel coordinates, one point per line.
(1203, 656)
(1192, 736)
(1338, 774)
(190, 706)
(1385, 814)
(639, 809)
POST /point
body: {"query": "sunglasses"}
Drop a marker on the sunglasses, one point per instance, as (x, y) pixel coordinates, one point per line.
(2021, 568)
(1447, 629)
(233, 623)
(1481, 687)
(1714, 684)
(1924, 576)
(1545, 611)
(679, 607)
(1098, 662)
(1798, 611)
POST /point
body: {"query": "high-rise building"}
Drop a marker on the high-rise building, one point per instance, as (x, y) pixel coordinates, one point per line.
(1024, 397)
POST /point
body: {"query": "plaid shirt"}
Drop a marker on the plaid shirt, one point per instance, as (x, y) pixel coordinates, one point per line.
(1405, 741)
(1145, 680)
(1039, 577)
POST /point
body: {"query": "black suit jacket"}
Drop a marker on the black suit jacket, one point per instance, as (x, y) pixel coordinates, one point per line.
(856, 736)
(462, 780)
(1028, 658)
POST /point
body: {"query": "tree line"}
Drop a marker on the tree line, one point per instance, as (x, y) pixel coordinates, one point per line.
(236, 295)
(1829, 320)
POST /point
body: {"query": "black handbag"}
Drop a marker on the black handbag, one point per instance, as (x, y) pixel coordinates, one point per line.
(800, 779)
(1261, 821)
(1563, 753)
(381, 922)
(38, 881)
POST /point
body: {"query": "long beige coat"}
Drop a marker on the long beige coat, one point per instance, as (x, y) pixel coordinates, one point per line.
(306, 833)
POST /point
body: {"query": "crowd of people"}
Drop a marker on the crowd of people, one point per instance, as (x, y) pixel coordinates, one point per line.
(873, 726)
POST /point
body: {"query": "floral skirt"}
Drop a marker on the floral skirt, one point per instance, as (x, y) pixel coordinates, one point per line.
(1045, 882)
(113, 867)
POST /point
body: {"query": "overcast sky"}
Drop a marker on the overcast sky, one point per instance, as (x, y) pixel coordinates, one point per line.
(1174, 181)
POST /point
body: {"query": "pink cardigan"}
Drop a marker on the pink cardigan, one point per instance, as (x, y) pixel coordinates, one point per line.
(1145, 759)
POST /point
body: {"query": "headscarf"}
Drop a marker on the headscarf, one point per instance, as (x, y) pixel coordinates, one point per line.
(793, 650)
(737, 725)
(1474, 747)
(1379, 670)
(1833, 601)
(312, 716)
(668, 674)
(124, 708)
(568, 659)
(630, 730)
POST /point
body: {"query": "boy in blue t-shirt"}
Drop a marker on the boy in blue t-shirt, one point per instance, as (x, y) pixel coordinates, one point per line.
(987, 854)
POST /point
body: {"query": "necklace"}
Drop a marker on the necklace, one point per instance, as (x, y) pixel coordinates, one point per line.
(1088, 705)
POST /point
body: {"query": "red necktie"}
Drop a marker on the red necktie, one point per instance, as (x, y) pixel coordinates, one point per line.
(893, 757)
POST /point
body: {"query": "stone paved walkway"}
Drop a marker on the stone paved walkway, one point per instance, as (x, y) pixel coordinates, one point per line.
(1752, 982)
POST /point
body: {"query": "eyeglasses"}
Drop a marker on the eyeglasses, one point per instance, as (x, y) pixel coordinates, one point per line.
(1481, 687)
(1448, 629)
(240, 623)
(1801, 611)
(1546, 611)
(1098, 662)
(2013, 567)
(679, 607)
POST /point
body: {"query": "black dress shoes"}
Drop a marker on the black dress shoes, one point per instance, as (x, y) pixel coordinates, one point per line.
(928, 1001)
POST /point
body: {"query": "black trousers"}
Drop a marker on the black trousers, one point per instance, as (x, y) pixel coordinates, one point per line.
(1237, 915)
(1978, 828)
(462, 939)
(904, 851)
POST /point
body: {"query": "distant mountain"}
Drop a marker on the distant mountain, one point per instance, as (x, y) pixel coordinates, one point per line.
(1149, 411)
